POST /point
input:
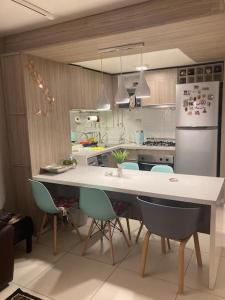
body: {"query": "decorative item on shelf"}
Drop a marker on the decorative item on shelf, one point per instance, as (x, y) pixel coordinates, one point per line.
(103, 100)
(122, 96)
(142, 89)
(39, 81)
(120, 156)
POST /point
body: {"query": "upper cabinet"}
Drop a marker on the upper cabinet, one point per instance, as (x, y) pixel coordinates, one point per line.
(162, 85)
(86, 88)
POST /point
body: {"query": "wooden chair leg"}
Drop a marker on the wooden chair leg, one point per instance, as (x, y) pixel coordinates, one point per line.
(128, 228)
(123, 233)
(181, 267)
(110, 242)
(197, 249)
(168, 243)
(144, 253)
(75, 227)
(43, 222)
(87, 238)
(55, 234)
(139, 232)
(163, 245)
(102, 228)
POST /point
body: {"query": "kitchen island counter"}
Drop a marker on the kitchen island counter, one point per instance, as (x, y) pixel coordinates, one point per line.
(186, 188)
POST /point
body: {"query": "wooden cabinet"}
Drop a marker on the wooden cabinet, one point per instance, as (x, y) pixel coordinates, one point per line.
(162, 84)
(91, 82)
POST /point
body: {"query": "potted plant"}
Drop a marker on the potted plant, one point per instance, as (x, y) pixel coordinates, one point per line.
(120, 156)
(70, 162)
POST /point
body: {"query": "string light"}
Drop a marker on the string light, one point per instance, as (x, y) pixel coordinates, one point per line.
(39, 81)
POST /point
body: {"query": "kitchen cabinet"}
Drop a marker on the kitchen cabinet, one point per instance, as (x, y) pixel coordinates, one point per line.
(162, 84)
(89, 84)
(86, 85)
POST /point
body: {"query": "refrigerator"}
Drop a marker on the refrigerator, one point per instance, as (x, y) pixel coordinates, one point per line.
(197, 127)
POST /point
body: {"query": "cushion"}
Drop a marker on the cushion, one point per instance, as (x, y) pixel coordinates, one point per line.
(120, 207)
(65, 202)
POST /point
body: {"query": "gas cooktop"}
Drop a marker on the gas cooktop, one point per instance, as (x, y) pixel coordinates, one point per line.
(159, 142)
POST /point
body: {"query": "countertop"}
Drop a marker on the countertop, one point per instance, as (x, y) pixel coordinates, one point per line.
(187, 188)
(87, 152)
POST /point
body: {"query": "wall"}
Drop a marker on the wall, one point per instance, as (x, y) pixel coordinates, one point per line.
(222, 157)
(121, 125)
(7, 197)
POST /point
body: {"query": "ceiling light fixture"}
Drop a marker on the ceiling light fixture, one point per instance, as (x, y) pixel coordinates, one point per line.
(142, 89)
(103, 101)
(121, 47)
(35, 8)
(122, 96)
(142, 68)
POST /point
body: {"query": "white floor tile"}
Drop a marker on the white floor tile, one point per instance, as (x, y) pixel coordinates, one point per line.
(66, 239)
(197, 278)
(100, 250)
(73, 277)
(127, 285)
(29, 266)
(158, 265)
(197, 295)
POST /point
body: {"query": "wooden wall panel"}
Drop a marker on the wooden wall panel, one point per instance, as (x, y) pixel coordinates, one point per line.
(7, 195)
(222, 154)
(49, 137)
(17, 132)
(13, 85)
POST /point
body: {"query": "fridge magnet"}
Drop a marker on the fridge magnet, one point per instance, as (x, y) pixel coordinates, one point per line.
(210, 97)
(190, 113)
(185, 103)
(196, 87)
(186, 109)
(205, 88)
(185, 92)
(204, 111)
(208, 103)
(199, 96)
(197, 113)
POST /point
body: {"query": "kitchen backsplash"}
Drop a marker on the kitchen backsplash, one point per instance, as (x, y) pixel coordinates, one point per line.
(120, 125)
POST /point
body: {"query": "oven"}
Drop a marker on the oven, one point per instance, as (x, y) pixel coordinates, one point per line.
(146, 162)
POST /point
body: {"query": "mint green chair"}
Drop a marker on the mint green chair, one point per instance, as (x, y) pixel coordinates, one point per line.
(97, 205)
(130, 166)
(46, 204)
(162, 169)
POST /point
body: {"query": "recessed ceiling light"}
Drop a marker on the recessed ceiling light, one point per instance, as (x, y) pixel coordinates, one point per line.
(35, 8)
(142, 68)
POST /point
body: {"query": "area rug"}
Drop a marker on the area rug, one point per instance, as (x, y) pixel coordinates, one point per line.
(20, 295)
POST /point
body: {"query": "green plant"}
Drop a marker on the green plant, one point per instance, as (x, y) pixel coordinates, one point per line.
(120, 156)
(69, 162)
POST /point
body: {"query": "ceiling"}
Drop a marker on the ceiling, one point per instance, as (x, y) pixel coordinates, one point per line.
(15, 18)
(154, 60)
(201, 39)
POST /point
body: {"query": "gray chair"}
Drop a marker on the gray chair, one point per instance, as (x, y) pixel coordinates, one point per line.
(176, 221)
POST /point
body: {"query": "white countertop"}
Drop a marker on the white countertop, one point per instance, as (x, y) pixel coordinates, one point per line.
(188, 188)
(87, 152)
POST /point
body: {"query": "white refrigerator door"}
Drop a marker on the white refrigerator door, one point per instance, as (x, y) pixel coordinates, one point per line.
(196, 152)
(197, 104)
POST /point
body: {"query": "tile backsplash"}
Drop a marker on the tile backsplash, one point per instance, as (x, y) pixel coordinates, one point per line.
(119, 126)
